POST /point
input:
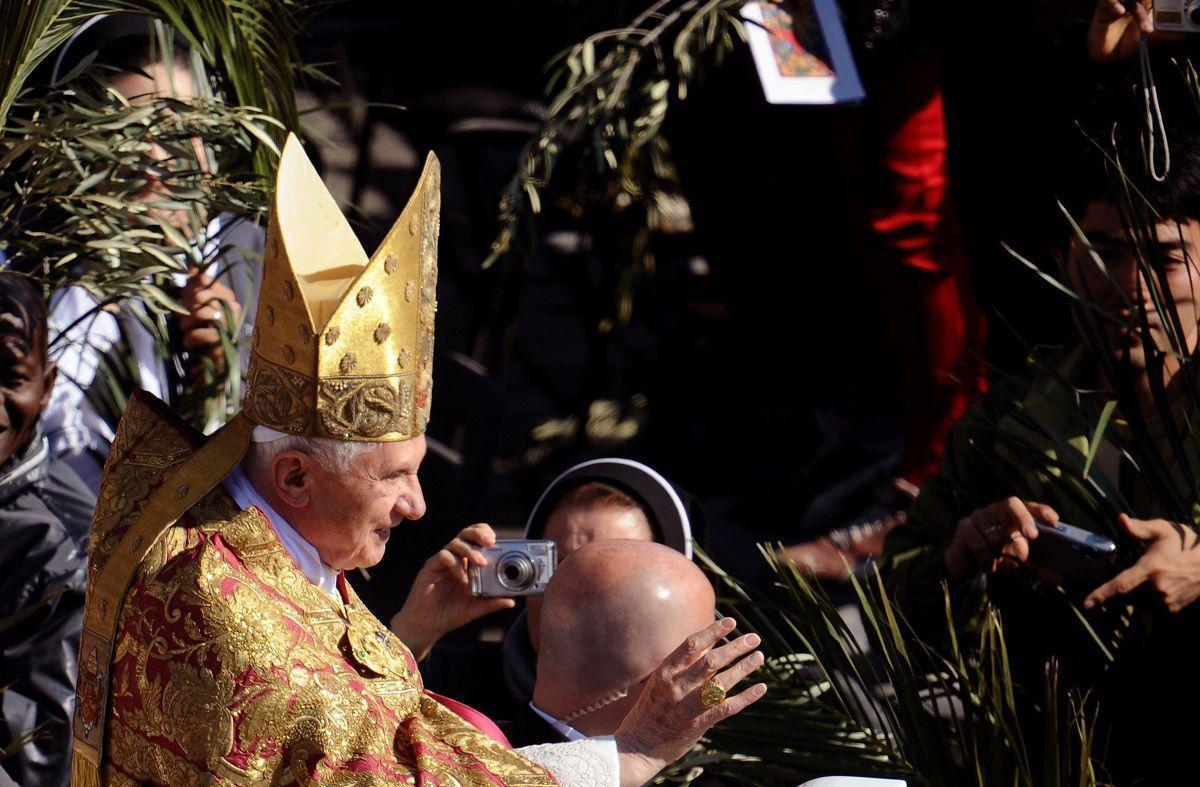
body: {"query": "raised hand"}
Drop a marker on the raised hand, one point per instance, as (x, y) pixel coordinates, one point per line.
(670, 714)
(440, 599)
(1116, 27)
(209, 302)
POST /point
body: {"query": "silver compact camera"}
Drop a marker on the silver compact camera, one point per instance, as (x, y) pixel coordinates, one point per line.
(515, 568)
(1177, 16)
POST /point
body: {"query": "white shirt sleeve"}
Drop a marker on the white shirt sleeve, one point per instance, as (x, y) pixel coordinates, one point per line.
(80, 334)
(591, 762)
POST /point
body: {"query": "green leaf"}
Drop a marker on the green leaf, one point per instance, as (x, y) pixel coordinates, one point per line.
(1098, 435)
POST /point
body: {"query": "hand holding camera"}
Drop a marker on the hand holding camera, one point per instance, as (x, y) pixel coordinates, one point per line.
(1118, 25)
(440, 600)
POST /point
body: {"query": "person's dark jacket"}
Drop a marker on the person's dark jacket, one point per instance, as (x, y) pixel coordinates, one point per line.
(45, 518)
(1032, 440)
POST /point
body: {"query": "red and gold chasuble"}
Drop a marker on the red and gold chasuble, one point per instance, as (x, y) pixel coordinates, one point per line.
(209, 658)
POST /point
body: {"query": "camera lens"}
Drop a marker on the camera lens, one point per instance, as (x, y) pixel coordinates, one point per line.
(515, 571)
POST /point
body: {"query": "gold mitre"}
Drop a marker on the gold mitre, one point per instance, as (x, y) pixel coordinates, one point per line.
(343, 344)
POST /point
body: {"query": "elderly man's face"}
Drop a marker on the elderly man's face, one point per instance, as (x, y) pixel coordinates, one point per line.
(349, 516)
(1174, 251)
(26, 379)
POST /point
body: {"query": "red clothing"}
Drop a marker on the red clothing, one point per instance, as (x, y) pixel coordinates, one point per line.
(918, 250)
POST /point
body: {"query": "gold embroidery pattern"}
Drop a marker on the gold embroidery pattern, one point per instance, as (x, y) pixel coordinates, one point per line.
(347, 408)
(374, 324)
(150, 443)
(220, 678)
(278, 397)
(145, 446)
(366, 408)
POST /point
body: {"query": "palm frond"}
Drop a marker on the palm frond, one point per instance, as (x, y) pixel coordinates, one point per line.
(119, 199)
(890, 706)
(609, 97)
(249, 44)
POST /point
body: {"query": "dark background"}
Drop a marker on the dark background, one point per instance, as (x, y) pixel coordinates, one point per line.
(734, 373)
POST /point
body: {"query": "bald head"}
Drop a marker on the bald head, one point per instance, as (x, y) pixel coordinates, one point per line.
(614, 610)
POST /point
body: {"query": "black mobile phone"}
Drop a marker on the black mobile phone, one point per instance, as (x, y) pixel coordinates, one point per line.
(1075, 554)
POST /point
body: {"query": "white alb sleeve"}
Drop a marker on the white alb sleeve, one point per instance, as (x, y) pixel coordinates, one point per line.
(590, 762)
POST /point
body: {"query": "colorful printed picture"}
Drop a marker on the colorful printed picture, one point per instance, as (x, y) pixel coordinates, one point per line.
(801, 52)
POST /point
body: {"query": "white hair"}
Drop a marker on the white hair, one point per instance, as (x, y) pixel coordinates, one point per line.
(333, 455)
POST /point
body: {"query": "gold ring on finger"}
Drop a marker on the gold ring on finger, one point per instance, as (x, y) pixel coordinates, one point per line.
(711, 693)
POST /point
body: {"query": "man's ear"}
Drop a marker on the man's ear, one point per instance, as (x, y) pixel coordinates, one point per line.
(291, 473)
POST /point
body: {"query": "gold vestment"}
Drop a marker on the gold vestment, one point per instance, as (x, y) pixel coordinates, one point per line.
(228, 666)
(207, 657)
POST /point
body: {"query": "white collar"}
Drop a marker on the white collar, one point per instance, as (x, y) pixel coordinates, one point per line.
(304, 553)
(564, 729)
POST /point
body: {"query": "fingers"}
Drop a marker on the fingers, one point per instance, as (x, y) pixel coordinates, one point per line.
(996, 537)
(200, 338)
(1013, 515)
(1015, 552)
(731, 706)
(462, 552)
(197, 278)
(1114, 29)
(486, 606)
(447, 562)
(717, 659)
(214, 297)
(465, 554)
(1134, 527)
(738, 672)
(1043, 513)
(1109, 11)
(974, 541)
(1125, 582)
(479, 534)
(456, 558)
(1145, 529)
(205, 297)
(696, 645)
(201, 316)
(1142, 14)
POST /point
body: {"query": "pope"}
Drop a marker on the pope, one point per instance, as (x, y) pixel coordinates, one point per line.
(222, 643)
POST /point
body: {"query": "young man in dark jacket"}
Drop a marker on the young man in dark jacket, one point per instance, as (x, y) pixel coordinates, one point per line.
(45, 514)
